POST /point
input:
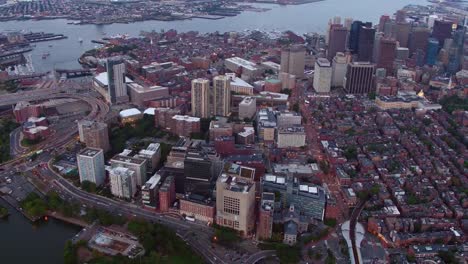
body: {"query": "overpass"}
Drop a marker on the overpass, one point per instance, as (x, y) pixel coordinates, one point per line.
(74, 73)
(35, 95)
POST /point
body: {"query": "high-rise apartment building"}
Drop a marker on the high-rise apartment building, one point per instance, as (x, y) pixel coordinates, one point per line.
(337, 42)
(383, 20)
(339, 67)
(91, 165)
(94, 134)
(221, 95)
(138, 165)
(359, 77)
(293, 60)
(200, 98)
(322, 75)
(123, 182)
(235, 203)
(117, 89)
(366, 42)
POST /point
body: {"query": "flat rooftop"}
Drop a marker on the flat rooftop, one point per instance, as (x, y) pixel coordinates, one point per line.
(127, 159)
(90, 152)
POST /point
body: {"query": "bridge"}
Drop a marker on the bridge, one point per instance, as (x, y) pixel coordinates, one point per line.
(74, 73)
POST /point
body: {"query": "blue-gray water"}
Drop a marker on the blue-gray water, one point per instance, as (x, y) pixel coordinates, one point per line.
(24, 243)
(312, 17)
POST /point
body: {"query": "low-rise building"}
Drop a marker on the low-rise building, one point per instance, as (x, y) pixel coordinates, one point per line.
(130, 115)
(198, 207)
(150, 192)
(184, 125)
(291, 137)
(167, 194)
(140, 95)
(247, 108)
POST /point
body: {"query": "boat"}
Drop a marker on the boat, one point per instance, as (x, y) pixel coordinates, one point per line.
(80, 40)
(50, 46)
(45, 55)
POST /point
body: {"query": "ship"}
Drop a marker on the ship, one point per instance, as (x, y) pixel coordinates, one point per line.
(80, 40)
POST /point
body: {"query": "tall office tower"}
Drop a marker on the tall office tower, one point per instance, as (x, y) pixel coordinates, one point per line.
(402, 33)
(322, 75)
(336, 20)
(265, 216)
(123, 182)
(432, 51)
(91, 165)
(347, 23)
(387, 55)
(366, 43)
(419, 55)
(198, 172)
(337, 43)
(359, 78)
(376, 52)
(383, 19)
(293, 60)
(94, 134)
(339, 66)
(353, 40)
(235, 203)
(117, 89)
(221, 95)
(442, 30)
(400, 16)
(418, 39)
(401, 54)
(200, 98)
(456, 50)
(390, 29)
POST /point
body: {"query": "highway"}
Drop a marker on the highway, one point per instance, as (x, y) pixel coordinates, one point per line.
(197, 235)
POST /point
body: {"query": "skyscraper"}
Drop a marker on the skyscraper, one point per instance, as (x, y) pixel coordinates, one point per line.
(418, 39)
(91, 165)
(383, 19)
(387, 55)
(442, 30)
(221, 95)
(359, 77)
(432, 51)
(293, 60)
(339, 66)
(366, 42)
(354, 36)
(402, 33)
(200, 98)
(376, 52)
(337, 42)
(117, 89)
(400, 16)
(322, 76)
(94, 134)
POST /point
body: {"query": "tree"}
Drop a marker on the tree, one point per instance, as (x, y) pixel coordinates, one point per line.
(295, 107)
(88, 186)
(69, 253)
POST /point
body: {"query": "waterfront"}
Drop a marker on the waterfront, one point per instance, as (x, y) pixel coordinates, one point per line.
(312, 17)
(22, 242)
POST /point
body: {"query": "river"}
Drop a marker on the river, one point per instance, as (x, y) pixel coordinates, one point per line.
(312, 17)
(24, 243)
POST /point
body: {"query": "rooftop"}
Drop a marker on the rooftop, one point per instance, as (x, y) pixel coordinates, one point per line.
(102, 78)
(152, 182)
(186, 118)
(126, 159)
(244, 63)
(90, 152)
(129, 112)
